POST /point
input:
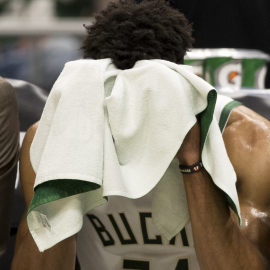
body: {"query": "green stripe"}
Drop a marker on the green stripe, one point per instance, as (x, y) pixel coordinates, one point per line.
(206, 118)
(233, 207)
(226, 112)
(54, 190)
(207, 115)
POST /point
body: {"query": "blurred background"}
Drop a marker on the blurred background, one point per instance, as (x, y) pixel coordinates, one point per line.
(37, 37)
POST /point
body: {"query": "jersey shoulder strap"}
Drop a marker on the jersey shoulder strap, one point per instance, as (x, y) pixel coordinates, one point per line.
(223, 109)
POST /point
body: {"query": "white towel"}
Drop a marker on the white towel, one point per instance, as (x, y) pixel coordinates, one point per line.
(106, 132)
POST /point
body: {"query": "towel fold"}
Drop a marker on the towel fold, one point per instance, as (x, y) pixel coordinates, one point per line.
(106, 132)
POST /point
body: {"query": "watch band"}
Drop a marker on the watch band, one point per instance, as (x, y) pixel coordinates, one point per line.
(191, 169)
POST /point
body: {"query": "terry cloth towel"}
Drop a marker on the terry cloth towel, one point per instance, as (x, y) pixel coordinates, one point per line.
(106, 132)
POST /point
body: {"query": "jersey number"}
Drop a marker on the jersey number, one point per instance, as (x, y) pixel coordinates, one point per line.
(182, 264)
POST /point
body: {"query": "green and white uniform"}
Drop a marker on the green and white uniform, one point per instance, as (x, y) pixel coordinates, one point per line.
(121, 234)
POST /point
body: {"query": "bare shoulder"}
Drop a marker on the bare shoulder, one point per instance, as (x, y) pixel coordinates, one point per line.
(28, 139)
(30, 134)
(251, 127)
(27, 174)
(247, 140)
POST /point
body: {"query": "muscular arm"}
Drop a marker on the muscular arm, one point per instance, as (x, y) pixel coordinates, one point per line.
(219, 241)
(27, 255)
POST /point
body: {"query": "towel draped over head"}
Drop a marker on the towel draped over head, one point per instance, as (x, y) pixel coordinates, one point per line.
(106, 132)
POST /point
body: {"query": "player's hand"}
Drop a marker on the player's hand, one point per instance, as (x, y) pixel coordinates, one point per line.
(190, 150)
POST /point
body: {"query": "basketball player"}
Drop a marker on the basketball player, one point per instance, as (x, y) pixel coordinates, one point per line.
(120, 234)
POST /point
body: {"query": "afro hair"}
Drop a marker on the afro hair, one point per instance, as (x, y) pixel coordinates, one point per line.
(127, 32)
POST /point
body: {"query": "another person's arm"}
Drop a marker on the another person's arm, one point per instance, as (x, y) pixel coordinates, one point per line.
(9, 128)
(27, 256)
(219, 241)
(9, 155)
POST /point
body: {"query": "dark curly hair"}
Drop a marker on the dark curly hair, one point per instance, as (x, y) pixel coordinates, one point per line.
(127, 32)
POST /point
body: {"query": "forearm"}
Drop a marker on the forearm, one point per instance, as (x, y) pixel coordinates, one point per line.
(218, 241)
(27, 256)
